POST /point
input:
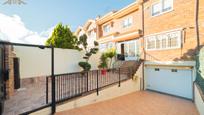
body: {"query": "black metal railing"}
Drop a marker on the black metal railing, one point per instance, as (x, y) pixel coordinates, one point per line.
(72, 85)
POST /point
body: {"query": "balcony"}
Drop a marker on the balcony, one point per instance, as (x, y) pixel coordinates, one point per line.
(117, 36)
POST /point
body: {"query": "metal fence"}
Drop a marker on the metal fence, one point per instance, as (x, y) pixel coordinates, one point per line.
(72, 85)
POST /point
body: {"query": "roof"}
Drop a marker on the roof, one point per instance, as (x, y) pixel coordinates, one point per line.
(118, 14)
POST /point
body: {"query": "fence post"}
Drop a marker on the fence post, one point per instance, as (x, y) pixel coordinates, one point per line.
(53, 81)
(119, 78)
(87, 85)
(97, 84)
(46, 90)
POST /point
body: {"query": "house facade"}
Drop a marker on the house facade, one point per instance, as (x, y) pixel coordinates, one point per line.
(164, 34)
(122, 30)
(89, 29)
(170, 44)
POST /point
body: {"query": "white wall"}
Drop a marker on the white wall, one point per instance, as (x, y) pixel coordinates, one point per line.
(35, 62)
(198, 101)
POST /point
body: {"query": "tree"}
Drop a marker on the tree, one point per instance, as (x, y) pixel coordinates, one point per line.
(88, 52)
(62, 37)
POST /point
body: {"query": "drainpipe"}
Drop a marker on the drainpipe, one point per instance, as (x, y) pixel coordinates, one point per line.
(197, 25)
(197, 38)
(143, 33)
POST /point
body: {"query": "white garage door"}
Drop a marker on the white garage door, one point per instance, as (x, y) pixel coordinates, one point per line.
(172, 81)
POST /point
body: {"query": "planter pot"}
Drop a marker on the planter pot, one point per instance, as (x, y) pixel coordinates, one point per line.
(103, 71)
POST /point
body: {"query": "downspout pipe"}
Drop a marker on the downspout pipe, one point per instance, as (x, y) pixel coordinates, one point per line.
(197, 25)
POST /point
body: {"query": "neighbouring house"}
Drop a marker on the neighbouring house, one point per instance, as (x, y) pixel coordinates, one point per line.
(170, 44)
(122, 30)
(90, 30)
(163, 33)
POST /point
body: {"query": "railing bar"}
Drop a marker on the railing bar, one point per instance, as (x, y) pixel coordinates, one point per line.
(69, 82)
(87, 82)
(66, 79)
(46, 90)
(74, 84)
(79, 84)
(57, 96)
(61, 87)
(64, 84)
(119, 78)
(97, 83)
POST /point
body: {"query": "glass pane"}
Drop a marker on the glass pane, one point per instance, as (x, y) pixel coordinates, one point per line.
(150, 43)
(163, 43)
(167, 5)
(157, 43)
(126, 49)
(131, 49)
(156, 9)
(173, 39)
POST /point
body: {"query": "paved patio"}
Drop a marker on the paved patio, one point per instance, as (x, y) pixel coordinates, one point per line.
(138, 103)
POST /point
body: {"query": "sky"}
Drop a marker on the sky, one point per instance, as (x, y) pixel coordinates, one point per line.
(34, 21)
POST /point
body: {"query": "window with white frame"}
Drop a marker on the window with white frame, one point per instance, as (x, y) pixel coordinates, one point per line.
(156, 9)
(91, 34)
(106, 28)
(169, 40)
(127, 22)
(161, 7)
(103, 47)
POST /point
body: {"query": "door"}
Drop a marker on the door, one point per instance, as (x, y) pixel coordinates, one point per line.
(16, 73)
(2, 83)
(172, 81)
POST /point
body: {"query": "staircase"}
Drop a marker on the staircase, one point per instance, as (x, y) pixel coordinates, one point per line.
(128, 66)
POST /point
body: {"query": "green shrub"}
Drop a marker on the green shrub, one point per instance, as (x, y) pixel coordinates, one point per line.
(103, 61)
(85, 65)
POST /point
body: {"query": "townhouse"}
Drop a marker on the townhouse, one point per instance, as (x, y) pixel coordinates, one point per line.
(121, 29)
(163, 33)
(170, 43)
(89, 29)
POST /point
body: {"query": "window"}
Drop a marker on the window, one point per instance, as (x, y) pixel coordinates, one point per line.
(162, 7)
(91, 34)
(151, 42)
(103, 47)
(127, 22)
(156, 9)
(167, 5)
(167, 40)
(106, 28)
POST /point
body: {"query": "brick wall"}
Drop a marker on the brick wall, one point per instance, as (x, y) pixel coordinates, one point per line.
(117, 25)
(182, 16)
(9, 55)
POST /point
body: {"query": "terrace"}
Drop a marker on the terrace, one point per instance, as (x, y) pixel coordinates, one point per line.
(118, 91)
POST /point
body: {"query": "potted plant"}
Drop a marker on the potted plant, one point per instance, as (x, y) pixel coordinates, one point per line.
(103, 64)
(111, 53)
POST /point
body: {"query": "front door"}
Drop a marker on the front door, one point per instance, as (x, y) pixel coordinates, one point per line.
(2, 83)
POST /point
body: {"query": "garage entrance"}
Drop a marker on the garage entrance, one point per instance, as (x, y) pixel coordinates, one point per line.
(172, 81)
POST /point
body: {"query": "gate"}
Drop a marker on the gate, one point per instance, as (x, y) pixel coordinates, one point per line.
(2, 81)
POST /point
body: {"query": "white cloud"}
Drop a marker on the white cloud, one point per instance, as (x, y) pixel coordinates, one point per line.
(13, 29)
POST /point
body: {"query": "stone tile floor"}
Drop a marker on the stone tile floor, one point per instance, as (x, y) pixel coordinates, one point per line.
(27, 98)
(138, 103)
